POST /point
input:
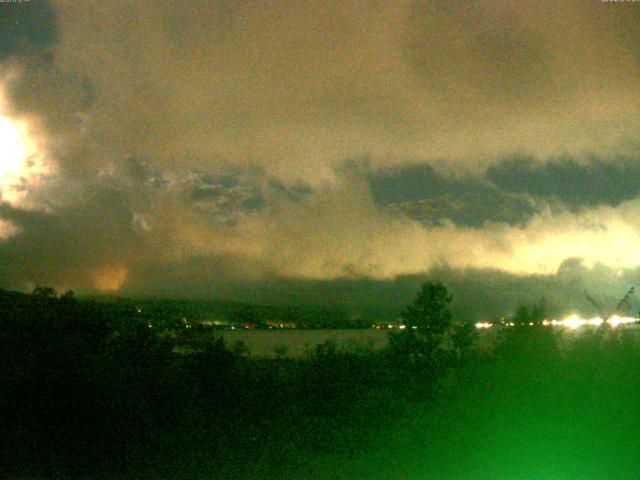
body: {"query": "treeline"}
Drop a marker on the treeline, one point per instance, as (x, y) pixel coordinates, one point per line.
(89, 391)
(167, 312)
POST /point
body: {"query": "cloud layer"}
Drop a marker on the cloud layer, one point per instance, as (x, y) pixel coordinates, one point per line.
(190, 147)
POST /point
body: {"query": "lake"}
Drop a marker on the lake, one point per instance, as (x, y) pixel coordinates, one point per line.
(301, 343)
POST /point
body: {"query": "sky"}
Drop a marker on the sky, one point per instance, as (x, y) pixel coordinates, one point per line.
(322, 151)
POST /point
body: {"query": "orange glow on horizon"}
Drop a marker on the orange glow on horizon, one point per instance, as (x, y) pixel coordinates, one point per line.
(111, 278)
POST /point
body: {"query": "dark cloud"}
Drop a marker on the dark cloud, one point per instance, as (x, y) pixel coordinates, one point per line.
(424, 194)
(139, 175)
(29, 32)
(512, 190)
(26, 28)
(414, 182)
(72, 246)
(577, 184)
(224, 196)
(295, 192)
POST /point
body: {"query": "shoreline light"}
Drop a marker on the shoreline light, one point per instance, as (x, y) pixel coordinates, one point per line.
(572, 322)
(484, 325)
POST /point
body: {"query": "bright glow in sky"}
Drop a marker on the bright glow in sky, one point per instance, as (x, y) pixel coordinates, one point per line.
(14, 159)
(14, 150)
(21, 161)
(110, 278)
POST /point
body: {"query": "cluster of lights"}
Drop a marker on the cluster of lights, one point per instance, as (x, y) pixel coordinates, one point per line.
(402, 326)
(573, 322)
(484, 325)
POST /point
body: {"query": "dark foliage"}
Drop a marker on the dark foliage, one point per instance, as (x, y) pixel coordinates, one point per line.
(89, 390)
(94, 391)
(430, 310)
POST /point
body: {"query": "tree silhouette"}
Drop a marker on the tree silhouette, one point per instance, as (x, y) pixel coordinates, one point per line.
(539, 312)
(535, 313)
(44, 292)
(429, 312)
(522, 315)
(68, 296)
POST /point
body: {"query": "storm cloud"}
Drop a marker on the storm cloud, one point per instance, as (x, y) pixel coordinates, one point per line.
(197, 147)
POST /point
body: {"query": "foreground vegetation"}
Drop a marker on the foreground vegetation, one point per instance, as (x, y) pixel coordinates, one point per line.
(87, 393)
